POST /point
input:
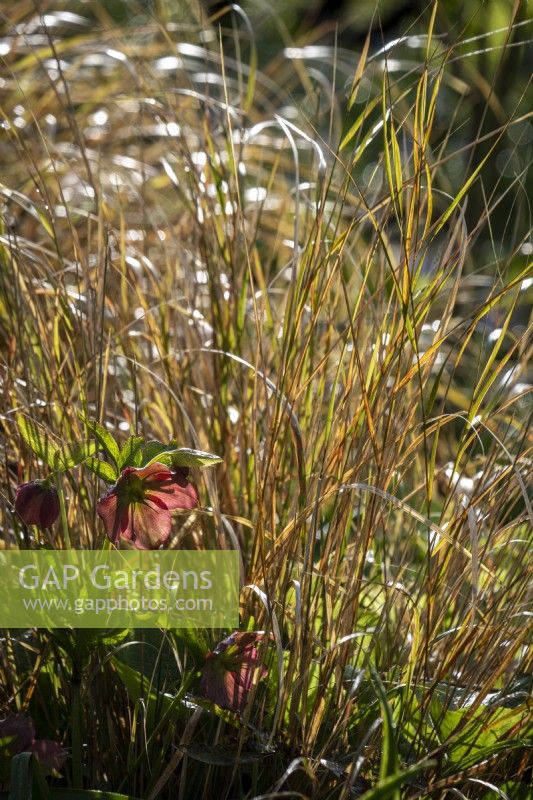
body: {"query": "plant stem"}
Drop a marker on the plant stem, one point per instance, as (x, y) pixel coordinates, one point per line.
(76, 726)
(62, 511)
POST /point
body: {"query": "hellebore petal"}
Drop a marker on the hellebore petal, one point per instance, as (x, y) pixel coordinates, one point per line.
(107, 509)
(227, 676)
(150, 525)
(50, 754)
(171, 486)
(37, 503)
(19, 730)
(138, 507)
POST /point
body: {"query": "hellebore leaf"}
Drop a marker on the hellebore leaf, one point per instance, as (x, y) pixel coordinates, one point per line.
(102, 469)
(185, 457)
(74, 454)
(182, 457)
(104, 439)
(153, 449)
(131, 453)
(37, 440)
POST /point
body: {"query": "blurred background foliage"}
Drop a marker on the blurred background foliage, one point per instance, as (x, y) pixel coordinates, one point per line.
(487, 44)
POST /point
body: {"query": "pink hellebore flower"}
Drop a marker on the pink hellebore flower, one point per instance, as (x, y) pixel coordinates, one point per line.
(229, 669)
(138, 506)
(37, 503)
(17, 735)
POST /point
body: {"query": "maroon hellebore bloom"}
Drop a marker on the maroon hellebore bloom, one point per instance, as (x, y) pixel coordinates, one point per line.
(37, 503)
(229, 669)
(138, 506)
(19, 732)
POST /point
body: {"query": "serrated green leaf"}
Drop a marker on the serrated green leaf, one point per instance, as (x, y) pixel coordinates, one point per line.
(177, 456)
(37, 440)
(131, 453)
(104, 439)
(184, 457)
(102, 469)
(153, 449)
(72, 455)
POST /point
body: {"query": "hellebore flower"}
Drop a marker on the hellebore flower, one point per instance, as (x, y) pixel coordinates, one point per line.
(17, 735)
(138, 506)
(37, 503)
(228, 670)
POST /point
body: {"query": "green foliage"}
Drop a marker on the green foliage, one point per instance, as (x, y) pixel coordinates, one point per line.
(131, 452)
(389, 763)
(104, 439)
(138, 453)
(57, 458)
(176, 456)
(103, 469)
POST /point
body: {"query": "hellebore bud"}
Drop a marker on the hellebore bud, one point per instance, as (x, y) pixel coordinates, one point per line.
(37, 503)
